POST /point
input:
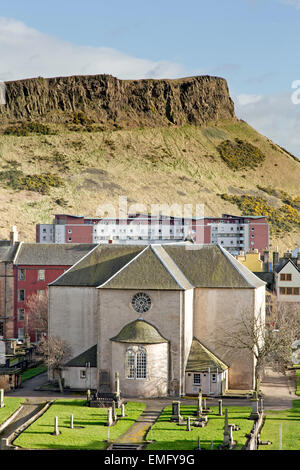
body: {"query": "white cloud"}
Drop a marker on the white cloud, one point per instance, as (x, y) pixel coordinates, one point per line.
(276, 117)
(244, 100)
(26, 52)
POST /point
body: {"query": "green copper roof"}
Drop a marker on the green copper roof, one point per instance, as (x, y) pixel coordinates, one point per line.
(139, 332)
(201, 359)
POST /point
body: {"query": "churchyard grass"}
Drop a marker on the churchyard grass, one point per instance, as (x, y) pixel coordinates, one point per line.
(30, 373)
(90, 431)
(171, 436)
(282, 426)
(11, 405)
(297, 379)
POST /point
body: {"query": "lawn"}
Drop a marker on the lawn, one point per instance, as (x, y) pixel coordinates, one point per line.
(297, 379)
(30, 373)
(90, 434)
(170, 436)
(11, 405)
(285, 423)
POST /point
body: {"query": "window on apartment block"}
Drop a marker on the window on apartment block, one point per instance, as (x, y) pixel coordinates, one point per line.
(197, 379)
(21, 314)
(69, 239)
(21, 274)
(41, 275)
(21, 295)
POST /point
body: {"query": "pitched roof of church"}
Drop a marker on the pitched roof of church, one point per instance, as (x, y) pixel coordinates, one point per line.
(170, 267)
(201, 359)
(139, 332)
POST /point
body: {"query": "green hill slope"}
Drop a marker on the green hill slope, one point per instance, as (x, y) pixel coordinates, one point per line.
(227, 166)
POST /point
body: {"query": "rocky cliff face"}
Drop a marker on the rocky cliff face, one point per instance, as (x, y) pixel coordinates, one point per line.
(109, 101)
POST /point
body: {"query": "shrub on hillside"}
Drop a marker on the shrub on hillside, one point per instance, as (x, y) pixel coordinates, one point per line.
(284, 219)
(28, 128)
(239, 154)
(15, 179)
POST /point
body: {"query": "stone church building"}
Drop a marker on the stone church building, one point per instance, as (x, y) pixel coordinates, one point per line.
(154, 314)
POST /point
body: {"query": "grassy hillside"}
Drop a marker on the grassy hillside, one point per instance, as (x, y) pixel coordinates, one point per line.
(71, 169)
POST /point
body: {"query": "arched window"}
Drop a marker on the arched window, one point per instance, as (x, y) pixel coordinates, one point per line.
(130, 364)
(141, 364)
(136, 362)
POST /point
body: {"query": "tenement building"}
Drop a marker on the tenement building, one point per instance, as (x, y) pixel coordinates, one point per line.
(155, 315)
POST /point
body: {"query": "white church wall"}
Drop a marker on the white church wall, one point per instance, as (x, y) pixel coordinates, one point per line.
(216, 309)
(73, 316)
(165, 314)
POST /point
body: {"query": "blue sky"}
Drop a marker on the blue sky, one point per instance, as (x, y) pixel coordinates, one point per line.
(252, 43)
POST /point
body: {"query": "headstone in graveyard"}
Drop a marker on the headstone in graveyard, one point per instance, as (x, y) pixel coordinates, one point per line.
(2, 398)
(255, 411)
(56, 431)
(176, 416)
(188, 424)
(220, 408)
(109, 417)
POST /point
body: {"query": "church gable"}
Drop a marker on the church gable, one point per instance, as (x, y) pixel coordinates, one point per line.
(210, 266)
(145, 271)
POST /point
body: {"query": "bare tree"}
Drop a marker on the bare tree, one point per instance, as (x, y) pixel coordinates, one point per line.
(55, 352)
(285, 328)
(269, 345)
(36, 311)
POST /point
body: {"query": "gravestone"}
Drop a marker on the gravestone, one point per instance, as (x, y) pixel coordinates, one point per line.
(56, 431)
(255, 412)
(176, 416)
(72, 421)
(109, 417)
(188, 424)
(114, 412)
(123, 410)
(220, 408)
(261, 405)
(199, 407)
(2, 398)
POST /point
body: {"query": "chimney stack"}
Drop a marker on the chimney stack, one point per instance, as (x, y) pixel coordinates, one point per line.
(266, 266)
(275, 258)
(13, 236)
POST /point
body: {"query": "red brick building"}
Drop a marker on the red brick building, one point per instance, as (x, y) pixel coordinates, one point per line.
(35, 266)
